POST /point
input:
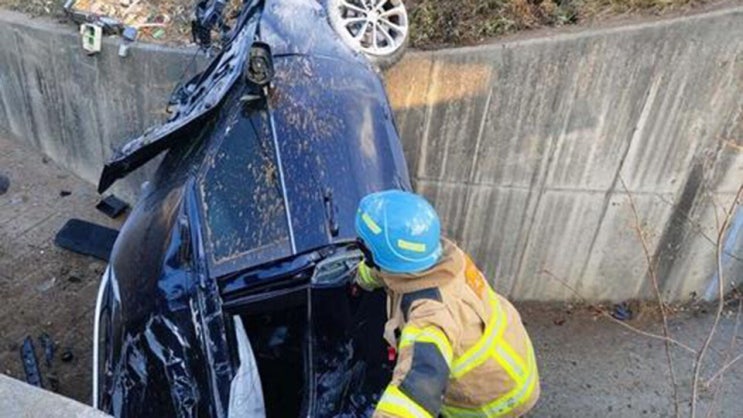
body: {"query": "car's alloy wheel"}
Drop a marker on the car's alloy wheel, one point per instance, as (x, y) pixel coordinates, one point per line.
(376, 28)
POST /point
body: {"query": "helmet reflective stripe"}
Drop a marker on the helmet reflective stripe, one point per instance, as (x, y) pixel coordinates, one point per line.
(412, 246)
(376, 230)
(401, 230)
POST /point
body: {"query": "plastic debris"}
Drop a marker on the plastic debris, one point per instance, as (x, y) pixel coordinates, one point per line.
(4, 184)
(91, 34)
(30, 363)
(622, 312)
(159, 33)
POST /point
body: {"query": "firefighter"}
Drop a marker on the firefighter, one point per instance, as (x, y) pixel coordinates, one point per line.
(462, 350)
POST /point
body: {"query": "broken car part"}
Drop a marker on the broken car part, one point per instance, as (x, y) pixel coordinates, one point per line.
(112, 206)
(86, 238)
(30, 363)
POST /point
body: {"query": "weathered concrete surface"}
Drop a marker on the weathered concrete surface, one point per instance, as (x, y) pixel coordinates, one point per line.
(526, 147)
(78, 108)
(522, 146)
(18, 399)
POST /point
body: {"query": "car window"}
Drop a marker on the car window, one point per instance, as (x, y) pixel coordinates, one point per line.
(241, 193)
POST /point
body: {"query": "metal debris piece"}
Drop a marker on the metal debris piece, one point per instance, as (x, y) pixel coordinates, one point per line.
(30, 363)
(112, 206)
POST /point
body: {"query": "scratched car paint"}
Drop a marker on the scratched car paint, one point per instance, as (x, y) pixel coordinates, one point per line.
(247, 228)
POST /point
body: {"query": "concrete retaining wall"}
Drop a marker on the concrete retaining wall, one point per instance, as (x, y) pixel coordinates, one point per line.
(78, 108)
(525, 147)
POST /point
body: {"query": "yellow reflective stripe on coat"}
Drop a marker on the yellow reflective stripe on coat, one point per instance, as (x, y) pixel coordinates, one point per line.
(396, 403)
(482, 350)
(366, 279)
(412, 335)
(505, 404)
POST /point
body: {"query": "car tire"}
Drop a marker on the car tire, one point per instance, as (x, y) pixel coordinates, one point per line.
(378, 29)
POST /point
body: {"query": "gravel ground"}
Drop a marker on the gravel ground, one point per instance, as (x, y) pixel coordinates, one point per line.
(589, 366)
(45, 289)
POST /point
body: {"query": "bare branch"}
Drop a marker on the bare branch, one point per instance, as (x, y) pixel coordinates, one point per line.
(606, 314)
(727, 363)
(654, 279)
(725, 367)
(720, 301)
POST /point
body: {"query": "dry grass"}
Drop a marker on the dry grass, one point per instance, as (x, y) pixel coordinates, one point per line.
(434, 23)
(437, 23)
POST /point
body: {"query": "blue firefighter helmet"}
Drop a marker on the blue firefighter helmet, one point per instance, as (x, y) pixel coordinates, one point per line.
(401, 230)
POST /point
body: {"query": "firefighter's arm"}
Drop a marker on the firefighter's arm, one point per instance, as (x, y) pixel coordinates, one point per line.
(424, 358)
(367, 278)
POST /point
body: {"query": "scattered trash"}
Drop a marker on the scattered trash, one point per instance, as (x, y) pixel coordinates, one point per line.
(48, 345)
(622, 312)
(64, 193)
(87, 238)
(115, 17)
(4, 184)
(91, 34)
(112, 206)
(67, 356)
(30, 363)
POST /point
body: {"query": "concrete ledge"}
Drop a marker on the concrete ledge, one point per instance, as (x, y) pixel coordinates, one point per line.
(530, 149)
(18, 399)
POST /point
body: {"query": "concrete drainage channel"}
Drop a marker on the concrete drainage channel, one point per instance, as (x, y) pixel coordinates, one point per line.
(524, 147)
(530, 149)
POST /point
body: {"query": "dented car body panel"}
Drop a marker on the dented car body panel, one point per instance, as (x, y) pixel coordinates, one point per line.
(258, 187)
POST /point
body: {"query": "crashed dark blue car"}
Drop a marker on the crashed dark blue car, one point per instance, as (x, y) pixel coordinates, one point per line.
(228, 290)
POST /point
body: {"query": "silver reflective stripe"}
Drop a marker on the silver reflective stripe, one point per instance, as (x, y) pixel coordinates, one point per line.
(506, 356)
(483, 351)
